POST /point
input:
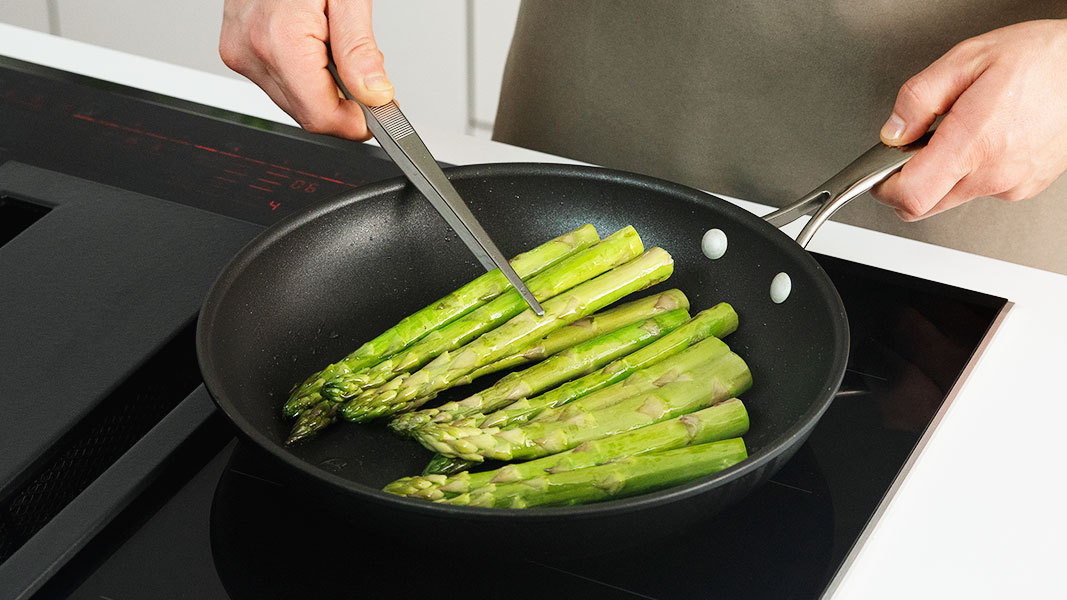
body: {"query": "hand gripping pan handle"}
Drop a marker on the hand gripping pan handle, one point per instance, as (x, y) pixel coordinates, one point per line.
(871, 168)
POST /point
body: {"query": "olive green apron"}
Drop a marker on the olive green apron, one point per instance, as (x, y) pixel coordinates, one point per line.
(758, 100)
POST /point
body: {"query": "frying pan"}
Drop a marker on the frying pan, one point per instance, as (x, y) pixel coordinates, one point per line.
(314, 286)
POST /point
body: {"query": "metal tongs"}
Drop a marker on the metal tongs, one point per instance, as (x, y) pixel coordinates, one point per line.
(399, 140)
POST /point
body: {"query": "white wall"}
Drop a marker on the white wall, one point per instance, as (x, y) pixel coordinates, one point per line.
(31, 14)
(445, 57)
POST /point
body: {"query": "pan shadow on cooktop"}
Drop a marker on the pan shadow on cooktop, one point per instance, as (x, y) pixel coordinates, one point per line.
(270, 542)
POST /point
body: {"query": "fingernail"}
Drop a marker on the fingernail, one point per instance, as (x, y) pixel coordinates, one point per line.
(377, 82)
(893, 128)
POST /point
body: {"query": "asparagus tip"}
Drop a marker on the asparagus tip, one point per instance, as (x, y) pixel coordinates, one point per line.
(306, 429)
(332, 391)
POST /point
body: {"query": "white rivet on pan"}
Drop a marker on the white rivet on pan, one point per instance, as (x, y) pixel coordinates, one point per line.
(713, 243)
(781, 285)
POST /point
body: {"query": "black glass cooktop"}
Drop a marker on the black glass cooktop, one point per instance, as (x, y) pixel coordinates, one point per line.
(234, 530)
(218, 523)
(230, 164)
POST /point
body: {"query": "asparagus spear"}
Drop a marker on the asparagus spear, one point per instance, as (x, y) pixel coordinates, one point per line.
(718, 321)
(443, 311)
(585, 329)
(724, 420)
(617, 479)
(620, 247)
(642, 381)
(576, 361)
(706, 385)
(649, 269)
(573, 362)
(447, 465)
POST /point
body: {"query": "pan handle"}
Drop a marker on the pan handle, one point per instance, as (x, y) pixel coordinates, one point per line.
(871, 168)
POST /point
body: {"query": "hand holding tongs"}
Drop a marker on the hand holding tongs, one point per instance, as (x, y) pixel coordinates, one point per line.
(399, 140)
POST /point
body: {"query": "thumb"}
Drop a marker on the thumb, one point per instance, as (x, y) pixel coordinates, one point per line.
(359, 62)
(931, 93)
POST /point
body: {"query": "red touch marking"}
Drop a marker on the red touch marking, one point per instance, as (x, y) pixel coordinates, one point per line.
(277, 174)
(232, 172)
(267, 181)
(209, 149)
(321, 177)
(257, 187)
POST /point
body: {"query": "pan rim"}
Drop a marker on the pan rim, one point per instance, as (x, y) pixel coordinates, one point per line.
(791, 440)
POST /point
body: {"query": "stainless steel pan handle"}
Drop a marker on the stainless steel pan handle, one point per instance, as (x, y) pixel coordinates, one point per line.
(871, 168)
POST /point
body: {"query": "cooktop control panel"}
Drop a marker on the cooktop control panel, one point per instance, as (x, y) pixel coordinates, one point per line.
(236, 165)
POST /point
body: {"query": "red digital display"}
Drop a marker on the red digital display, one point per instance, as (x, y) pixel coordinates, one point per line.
(200, 156)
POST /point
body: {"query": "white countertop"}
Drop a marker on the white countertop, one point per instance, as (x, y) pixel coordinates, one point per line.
(983, 511)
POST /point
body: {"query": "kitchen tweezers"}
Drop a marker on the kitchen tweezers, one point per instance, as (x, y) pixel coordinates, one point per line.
(398, 138)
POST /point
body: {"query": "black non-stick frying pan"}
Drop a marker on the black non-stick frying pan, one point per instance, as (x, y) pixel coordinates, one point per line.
(315, 286)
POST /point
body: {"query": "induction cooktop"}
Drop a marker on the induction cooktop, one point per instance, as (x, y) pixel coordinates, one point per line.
(120, 480)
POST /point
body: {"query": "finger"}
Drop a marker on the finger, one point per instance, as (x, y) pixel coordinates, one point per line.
(359, 62)
(342, 123)
(931, 174)
(962, 192)
(296, 65)
(313, 102)
(978, 184)
(932, 92)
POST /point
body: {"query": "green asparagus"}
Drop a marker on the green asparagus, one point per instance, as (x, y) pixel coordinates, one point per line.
(445, 310)
(624, 477)
(620, 247)
(718, 321)
(724, 420)
(585, 329)
(649, 269)
(576, 361)
(639, 382)
(447, 465)
(726, 377)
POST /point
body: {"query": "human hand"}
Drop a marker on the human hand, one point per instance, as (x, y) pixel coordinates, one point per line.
(1005, 131)
(281, 46)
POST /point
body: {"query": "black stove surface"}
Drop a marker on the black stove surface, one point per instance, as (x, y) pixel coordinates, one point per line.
(235, 531)
(229, 164)
(213, 521)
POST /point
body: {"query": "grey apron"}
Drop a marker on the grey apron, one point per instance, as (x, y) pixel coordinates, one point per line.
(758, 100)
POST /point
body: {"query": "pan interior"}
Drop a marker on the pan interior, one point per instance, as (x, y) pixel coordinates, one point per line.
(305, 294)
